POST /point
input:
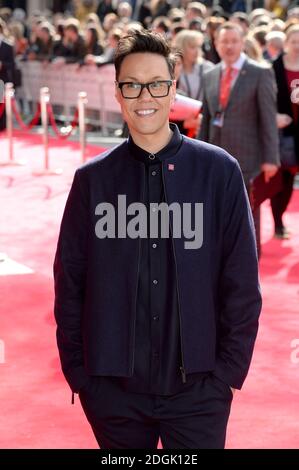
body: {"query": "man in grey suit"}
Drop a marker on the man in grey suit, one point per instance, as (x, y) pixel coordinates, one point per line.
(239, 109)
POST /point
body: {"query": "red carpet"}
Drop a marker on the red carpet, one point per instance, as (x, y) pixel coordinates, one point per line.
(36, 409)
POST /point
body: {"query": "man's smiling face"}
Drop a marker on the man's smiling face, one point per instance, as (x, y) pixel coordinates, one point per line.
(145, 115)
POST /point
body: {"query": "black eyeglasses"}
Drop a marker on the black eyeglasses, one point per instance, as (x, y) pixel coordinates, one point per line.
(157, 89)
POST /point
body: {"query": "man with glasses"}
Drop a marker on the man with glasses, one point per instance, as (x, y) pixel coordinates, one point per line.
(154, 334)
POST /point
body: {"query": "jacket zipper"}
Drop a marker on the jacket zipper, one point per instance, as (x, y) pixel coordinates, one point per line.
(182, 367)
(137, 278)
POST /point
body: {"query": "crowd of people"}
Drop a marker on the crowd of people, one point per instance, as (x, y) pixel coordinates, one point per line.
(87, 32)
(258, 123)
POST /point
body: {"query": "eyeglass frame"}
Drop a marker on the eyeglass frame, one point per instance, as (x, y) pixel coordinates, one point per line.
(144, 85)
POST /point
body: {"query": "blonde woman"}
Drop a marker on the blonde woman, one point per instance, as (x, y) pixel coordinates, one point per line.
(193, 65)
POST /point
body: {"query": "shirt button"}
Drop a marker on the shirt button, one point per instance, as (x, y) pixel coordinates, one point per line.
(156, 317)
(155, 281)
(154, 245)
(154, 173)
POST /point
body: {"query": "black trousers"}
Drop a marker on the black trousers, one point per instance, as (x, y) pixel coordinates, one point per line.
(280, 201)
(195, 418)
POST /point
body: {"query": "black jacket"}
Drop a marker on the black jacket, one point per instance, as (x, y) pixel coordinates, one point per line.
(96, 279)
(7, 62)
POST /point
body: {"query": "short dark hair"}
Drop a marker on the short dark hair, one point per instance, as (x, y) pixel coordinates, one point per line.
(143, 41)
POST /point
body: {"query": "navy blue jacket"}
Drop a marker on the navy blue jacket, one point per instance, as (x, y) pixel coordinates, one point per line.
(96, 279)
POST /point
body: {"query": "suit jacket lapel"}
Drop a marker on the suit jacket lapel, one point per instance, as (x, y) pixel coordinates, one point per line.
(215, 86)
(238, 84)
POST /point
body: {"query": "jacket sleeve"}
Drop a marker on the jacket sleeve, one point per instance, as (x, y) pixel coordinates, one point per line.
(69, 282)
(267, 108)
(239, 291)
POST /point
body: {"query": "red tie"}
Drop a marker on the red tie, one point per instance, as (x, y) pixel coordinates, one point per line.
(225, 86)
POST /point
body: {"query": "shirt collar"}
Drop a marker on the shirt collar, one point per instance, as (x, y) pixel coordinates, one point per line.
(169, 150)
(236, 65)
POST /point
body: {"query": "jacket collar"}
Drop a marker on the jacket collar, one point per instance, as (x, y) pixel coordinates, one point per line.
(168, 151)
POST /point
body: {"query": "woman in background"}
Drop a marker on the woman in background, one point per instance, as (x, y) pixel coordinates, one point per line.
(193, 65)
(190, 67)
(94, 40)
(286, 68)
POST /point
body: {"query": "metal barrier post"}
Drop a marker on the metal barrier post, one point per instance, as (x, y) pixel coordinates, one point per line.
(44, 100)
(9, 95)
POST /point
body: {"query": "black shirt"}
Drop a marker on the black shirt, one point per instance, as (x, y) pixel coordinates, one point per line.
(157, 354)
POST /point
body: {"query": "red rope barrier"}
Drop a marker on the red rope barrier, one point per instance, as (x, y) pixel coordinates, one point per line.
(57, 131)
(2, 108)
(20, 121)
(36, 117)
